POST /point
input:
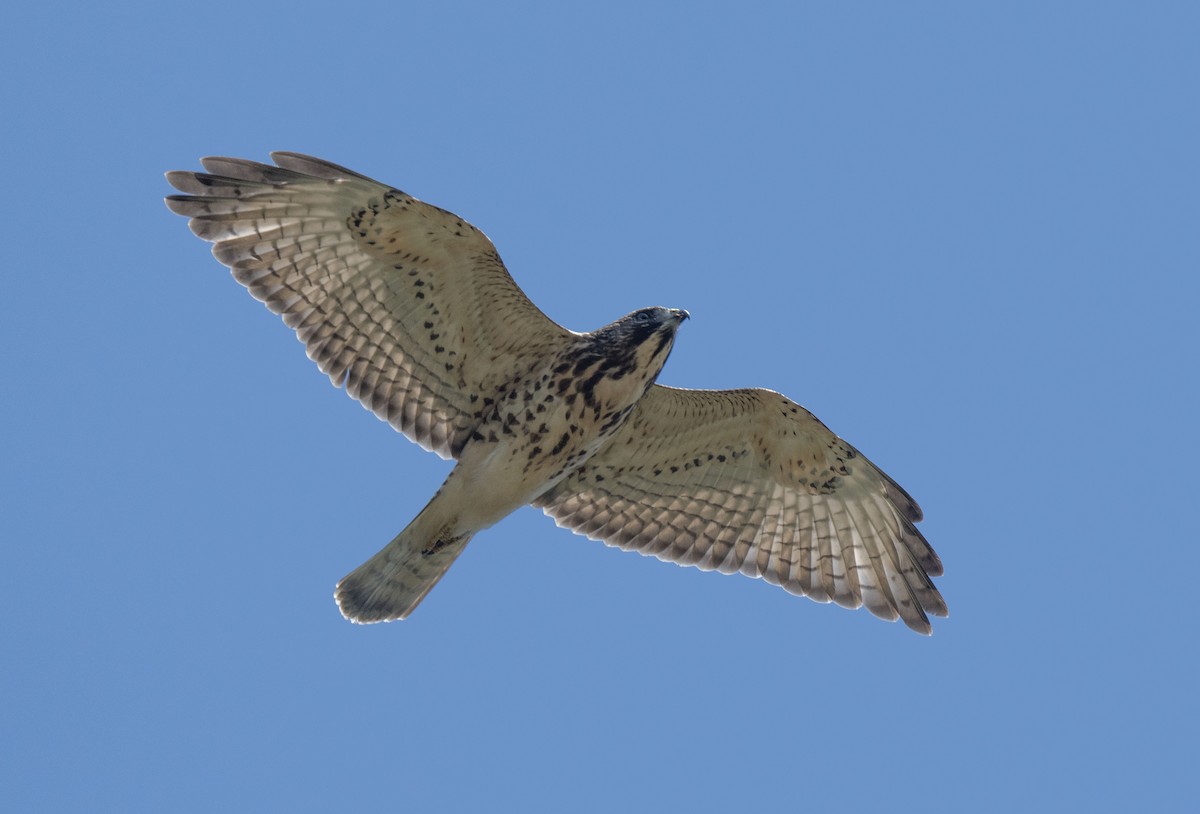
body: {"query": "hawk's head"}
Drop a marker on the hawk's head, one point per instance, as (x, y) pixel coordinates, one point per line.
(642, 339)
(655, 324)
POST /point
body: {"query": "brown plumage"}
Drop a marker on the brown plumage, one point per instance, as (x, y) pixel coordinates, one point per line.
(411, 310)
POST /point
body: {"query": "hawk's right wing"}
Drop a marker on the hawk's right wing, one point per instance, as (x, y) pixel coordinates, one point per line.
(406, 305)
(749, 481)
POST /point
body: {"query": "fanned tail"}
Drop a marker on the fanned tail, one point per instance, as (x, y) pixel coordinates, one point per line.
(393, 582)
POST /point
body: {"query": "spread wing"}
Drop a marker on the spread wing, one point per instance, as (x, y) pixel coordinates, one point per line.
(406, 305)
(748, 481)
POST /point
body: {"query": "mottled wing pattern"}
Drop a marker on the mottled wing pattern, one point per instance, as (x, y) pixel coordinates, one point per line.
(406, 305)
(748, 481)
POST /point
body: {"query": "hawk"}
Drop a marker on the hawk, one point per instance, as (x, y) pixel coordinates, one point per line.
(410, 309)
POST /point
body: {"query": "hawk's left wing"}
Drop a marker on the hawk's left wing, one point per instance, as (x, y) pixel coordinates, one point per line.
(406, 305)
(749, 481)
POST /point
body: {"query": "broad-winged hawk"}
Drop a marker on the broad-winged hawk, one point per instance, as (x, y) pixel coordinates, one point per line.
(410, 308)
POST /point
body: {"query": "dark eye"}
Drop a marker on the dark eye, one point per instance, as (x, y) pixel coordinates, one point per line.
(643, 316)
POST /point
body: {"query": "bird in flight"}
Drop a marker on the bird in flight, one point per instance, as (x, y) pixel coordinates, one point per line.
(410, 309)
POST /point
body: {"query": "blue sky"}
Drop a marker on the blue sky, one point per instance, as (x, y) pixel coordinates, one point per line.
(964, 235)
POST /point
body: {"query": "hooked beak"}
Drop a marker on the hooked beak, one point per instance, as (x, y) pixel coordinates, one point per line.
(679, 314)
